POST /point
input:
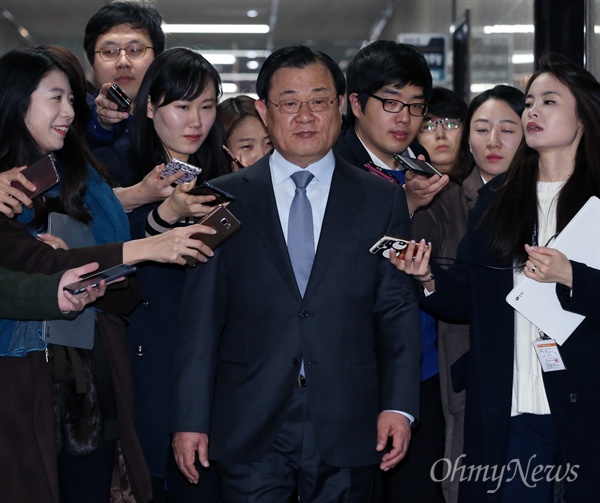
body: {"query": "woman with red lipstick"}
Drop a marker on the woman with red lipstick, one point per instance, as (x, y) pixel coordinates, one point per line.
(519, 418)
(65, 409)
(444, 221)
(175, 116)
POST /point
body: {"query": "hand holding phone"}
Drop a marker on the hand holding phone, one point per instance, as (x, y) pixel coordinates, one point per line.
(94, 279)
(389, 244)
(416, 166)
(118, 96)
(175, 166)
(224, 222)
(42, 174)
(208, 189)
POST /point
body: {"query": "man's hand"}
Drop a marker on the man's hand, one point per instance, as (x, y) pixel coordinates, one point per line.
(185, 446)
(420, 190)
(69, 302)
(396, 426)
(107, 110)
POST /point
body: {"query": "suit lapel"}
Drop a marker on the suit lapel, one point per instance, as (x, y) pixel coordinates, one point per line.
(344, 202)
(260, 208)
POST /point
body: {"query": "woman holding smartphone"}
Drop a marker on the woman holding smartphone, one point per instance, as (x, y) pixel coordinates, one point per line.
(175, 117)
(65, 409)
(520, 418)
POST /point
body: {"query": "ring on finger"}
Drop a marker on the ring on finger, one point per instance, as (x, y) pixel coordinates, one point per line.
(533, 269)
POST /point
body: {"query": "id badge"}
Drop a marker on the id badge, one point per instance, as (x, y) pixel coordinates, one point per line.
(548, 355)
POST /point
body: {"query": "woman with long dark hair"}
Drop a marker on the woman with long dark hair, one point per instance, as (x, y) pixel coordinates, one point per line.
(65, 408)
(175, 117)
(522, 421)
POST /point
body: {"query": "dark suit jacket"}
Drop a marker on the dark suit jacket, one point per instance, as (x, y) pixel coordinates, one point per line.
(478, 293)
(350, 148)
(243, 325)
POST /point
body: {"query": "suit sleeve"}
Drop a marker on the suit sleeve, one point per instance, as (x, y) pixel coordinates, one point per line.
(583, 297)
(397, 326)
(201, 319)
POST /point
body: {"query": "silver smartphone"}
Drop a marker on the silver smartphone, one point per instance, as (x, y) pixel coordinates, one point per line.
(416, 166)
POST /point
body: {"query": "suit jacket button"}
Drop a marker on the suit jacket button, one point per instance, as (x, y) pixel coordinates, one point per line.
(303, 314)
(146, 304)
(139, 351)
(573, 397)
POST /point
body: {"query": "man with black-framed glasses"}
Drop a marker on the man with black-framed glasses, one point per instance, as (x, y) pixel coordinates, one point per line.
(120, 42)
(388, 90)
(388, 87)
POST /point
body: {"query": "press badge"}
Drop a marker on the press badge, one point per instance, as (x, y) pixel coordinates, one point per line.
(548, 355)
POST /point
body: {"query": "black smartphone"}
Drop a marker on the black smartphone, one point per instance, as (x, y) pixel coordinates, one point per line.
(224, 222)
(118, 96)
(208, 189)
(42, 174)
(416, 166)
(93, 279)
(233, 158)
(388, 244)
(175, 166)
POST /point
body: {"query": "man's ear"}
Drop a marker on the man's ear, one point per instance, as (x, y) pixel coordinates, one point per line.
(354, 104)
(261, 108)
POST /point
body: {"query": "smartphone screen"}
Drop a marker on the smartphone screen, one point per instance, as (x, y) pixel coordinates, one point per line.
(95, 278)
(417, 166)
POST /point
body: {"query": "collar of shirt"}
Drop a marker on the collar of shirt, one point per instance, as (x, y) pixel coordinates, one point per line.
(317, 191)
(378, 162)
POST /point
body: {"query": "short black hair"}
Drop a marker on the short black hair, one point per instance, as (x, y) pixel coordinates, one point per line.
(446, 104)
(140, 15)
(296, 56)
(384, 63)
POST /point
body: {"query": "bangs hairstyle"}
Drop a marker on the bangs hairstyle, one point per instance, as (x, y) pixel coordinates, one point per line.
(21, 71)
(465, 163)
(234, 110)
(513, 214)
(177, 74)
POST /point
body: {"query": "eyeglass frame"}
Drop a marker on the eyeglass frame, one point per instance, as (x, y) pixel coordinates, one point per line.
(409, 105)
(119, 49)
(438, 123)
(326, 98)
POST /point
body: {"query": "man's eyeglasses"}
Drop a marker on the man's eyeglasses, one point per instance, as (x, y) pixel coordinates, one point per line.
(447, 124)
(396, 106)
(135, 51)
(294, 106)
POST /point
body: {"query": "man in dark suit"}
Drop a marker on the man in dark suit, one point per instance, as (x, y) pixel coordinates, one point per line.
(388, 87)
(303, 379)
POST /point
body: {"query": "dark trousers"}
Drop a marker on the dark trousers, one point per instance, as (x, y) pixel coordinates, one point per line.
(293, 469)
(87, 478)
(410, 481)
(532, 441)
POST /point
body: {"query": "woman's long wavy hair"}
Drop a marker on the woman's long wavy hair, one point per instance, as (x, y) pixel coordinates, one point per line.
(21, 71)
(176, 74)
(513, 214)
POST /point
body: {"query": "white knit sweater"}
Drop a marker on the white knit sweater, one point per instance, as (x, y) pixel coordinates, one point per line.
(528, 392)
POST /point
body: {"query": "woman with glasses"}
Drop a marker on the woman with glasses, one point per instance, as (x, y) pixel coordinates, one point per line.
(489, 136)
(175, 117)
(520, 417)
(441, 128)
